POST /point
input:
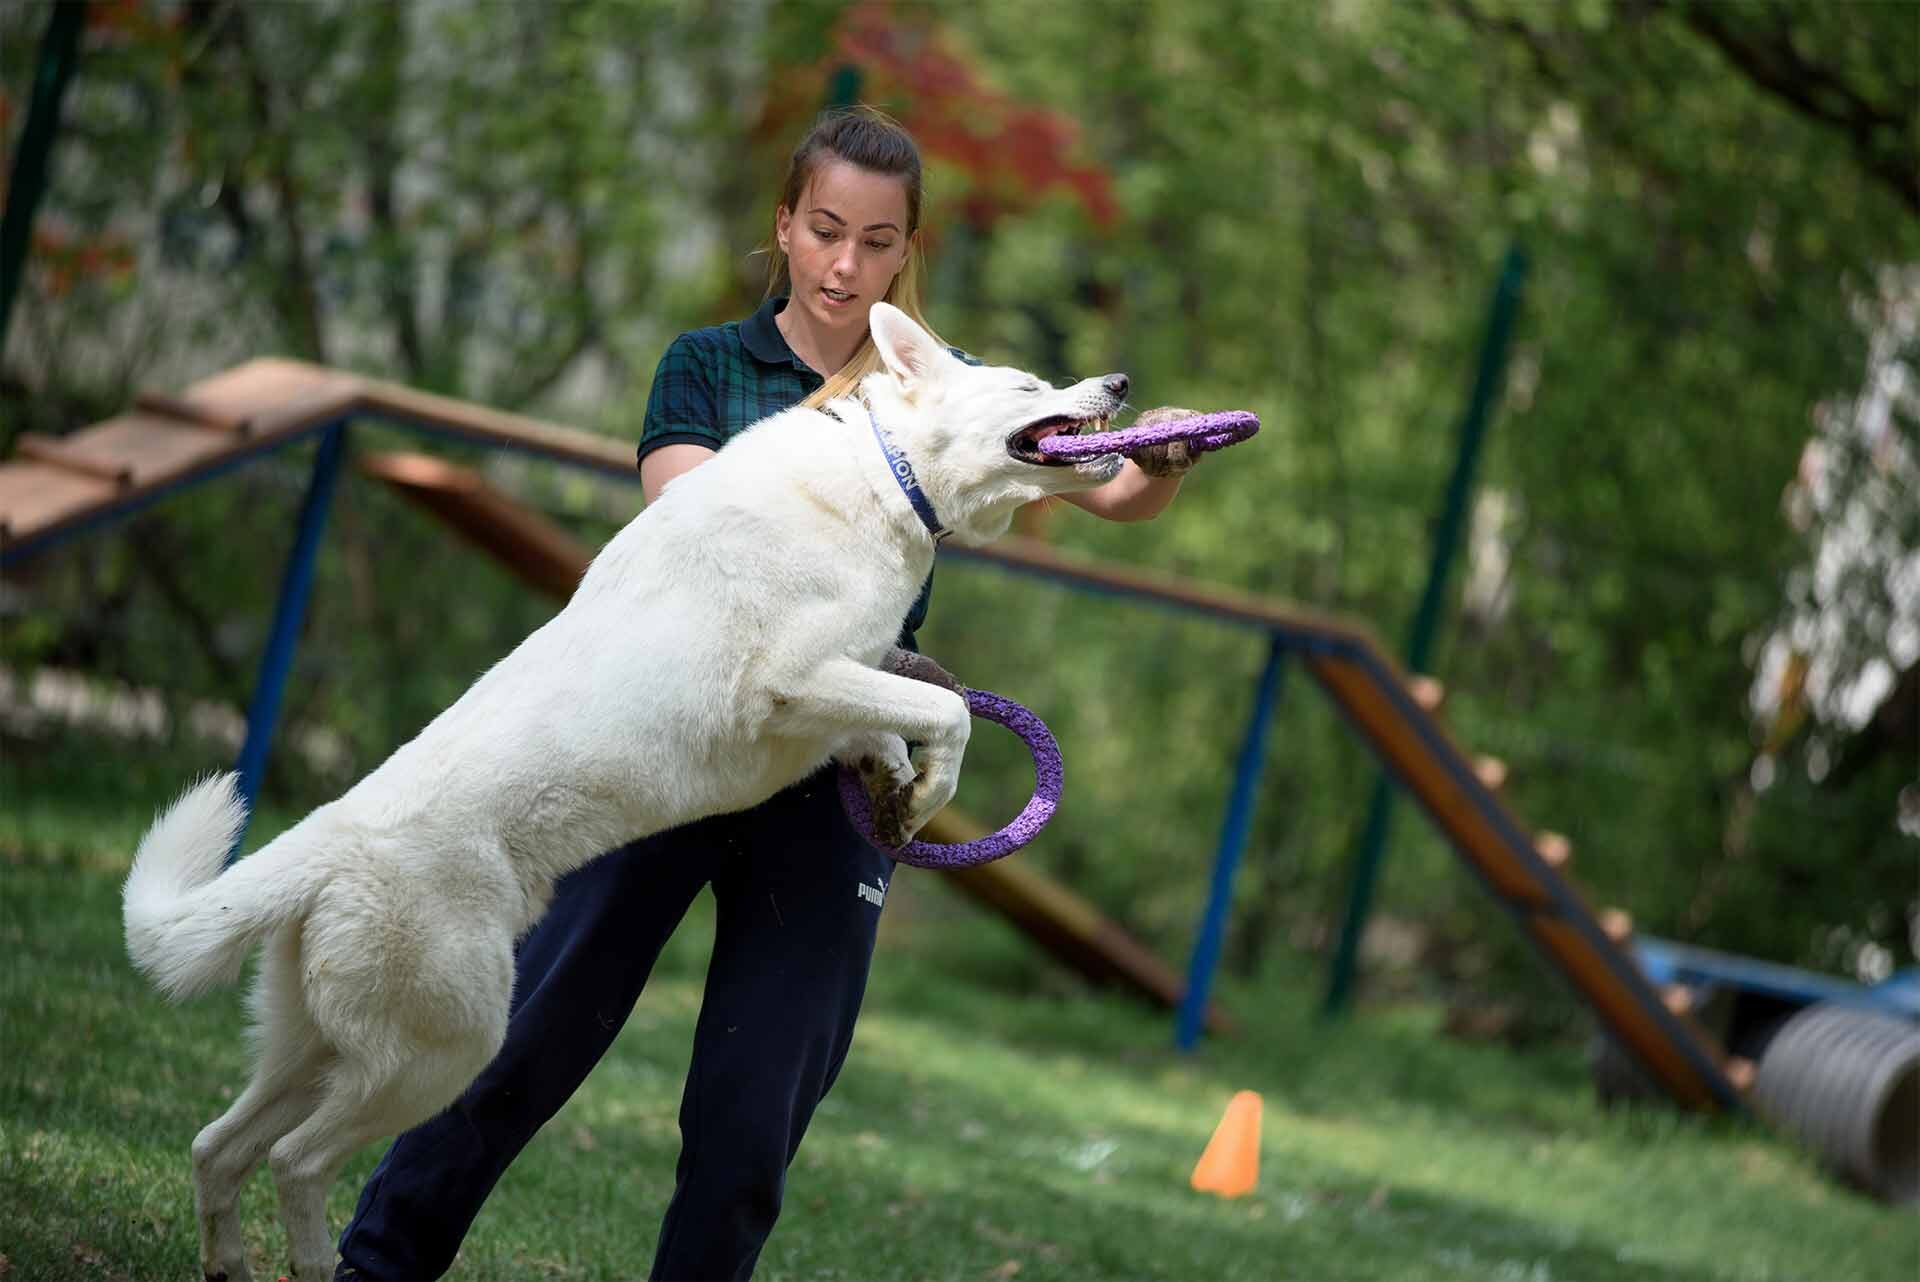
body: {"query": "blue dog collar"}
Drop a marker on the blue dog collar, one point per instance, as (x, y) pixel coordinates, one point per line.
(909, 484)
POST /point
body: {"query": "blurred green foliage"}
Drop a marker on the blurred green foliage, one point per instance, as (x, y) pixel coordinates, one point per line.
(521, 204)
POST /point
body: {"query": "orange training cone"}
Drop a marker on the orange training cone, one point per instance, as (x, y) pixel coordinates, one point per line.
(1231, 1164)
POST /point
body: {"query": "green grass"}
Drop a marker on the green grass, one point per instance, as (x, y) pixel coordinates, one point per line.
(994, 1121)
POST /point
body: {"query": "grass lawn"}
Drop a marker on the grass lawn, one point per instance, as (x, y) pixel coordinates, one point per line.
(993, 1123)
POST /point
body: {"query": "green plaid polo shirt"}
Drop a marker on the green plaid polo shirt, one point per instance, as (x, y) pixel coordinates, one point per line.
(712, 384)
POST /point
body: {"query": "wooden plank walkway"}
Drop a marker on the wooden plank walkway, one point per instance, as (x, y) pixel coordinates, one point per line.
(54, 486)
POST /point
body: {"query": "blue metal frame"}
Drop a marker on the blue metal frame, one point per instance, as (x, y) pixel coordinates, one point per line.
(296, 587)
(1233, 840)
(1666, 962)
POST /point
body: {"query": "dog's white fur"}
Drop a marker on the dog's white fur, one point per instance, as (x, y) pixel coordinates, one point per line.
(718, 649)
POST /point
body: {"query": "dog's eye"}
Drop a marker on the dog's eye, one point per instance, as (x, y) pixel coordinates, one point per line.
(1029, 387)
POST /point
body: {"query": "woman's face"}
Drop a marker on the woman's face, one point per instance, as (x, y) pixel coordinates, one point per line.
(844, 243)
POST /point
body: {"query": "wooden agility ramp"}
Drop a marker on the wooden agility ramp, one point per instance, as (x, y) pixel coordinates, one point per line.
(1398, 717)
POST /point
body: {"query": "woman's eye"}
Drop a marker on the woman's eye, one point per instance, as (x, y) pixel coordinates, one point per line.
(825, 233)
(880, 245)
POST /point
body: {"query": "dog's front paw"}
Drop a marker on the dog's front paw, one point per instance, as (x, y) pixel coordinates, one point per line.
(933, 788)
(937, 766)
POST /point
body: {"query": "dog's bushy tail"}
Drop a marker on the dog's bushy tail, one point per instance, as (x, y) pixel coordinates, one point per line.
(190, 926)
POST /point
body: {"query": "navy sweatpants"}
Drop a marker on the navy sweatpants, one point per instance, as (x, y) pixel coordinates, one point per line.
(797, 893)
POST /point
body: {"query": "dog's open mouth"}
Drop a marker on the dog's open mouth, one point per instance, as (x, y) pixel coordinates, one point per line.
(1025, 443)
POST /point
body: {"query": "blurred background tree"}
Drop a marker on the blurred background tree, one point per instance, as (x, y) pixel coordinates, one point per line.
(1689, 613)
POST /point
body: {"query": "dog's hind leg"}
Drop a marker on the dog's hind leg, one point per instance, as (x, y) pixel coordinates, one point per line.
(352, 1114)
(363, 1102)
(284, 1090)
(304, 1163)
(225, 1153)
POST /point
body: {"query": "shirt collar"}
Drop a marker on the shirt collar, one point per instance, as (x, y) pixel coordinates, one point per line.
(764, 341)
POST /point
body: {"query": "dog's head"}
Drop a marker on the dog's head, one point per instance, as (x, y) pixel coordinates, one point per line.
(972, 432)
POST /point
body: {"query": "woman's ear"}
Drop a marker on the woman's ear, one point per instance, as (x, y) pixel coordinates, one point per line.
(907, 351)
(782, 223)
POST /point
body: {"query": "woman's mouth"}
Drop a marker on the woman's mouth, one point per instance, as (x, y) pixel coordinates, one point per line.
(835, 297)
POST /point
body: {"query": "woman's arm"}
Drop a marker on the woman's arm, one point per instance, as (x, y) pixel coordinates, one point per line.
(1131, 496)
(667, 462)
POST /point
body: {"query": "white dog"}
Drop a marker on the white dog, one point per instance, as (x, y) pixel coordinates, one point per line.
(720, 648)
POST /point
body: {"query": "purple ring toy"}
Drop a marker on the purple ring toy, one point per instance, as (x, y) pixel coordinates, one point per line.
(1047, 771)
(1202, 433)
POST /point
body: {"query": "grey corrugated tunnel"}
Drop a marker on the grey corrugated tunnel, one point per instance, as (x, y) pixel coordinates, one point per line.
(1846, 1083)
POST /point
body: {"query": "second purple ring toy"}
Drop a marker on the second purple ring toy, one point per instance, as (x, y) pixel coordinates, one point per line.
(1202, 432)
(1048, 773)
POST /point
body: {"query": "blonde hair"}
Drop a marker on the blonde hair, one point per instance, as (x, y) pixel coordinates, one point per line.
(868, 139)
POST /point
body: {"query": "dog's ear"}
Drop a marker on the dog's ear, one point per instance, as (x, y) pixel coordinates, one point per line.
(908, 352)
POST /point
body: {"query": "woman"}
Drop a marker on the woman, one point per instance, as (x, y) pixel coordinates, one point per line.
(794, 884)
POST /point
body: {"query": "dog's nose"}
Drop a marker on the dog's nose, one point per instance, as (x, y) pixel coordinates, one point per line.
(1116, 385)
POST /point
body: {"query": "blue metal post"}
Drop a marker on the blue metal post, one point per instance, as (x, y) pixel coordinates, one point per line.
(1233, 840)
(296, 585)
(1426, 620)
